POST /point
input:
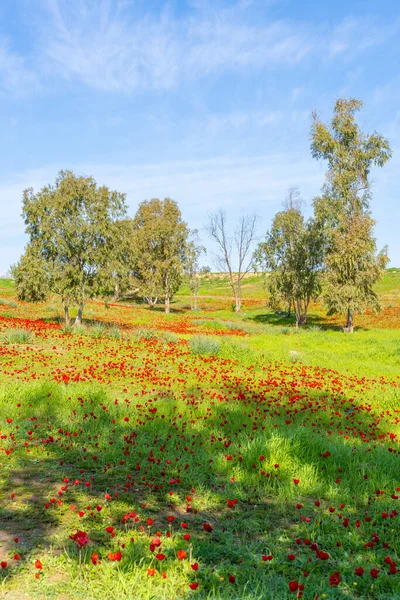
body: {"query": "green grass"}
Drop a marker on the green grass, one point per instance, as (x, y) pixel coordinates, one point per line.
(271, 435)
(17, 336)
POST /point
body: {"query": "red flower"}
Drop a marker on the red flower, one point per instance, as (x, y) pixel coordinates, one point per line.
(109, 529)
(195, 566)
(171, 519)
(265, 557)
(335, 579)
(95, 558)
(293, 586)
(38, 564)
(160, 556)
(231, 579)
(80, 537)
(291, 556)
(114, 556)
(17, 557)
(194, 585)
(181, 554)
(3, 564)
(207, 527)
(296, 481)
(359, 571)
(374, 573)
(151, 572)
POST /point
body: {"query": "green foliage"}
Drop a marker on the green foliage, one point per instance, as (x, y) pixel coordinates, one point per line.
(143, 333)
(74, 240)
(204, 345)
(353, 267)
(293, 254)
(352, 264)
(159, 249)
(114, 333)
(16, 336)
(98, 331)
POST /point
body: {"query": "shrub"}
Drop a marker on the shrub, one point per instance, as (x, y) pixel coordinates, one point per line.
(79, 329)
(114, 333)
(144, 334)
(17, 336)
(98, 331)
(202, 345)
(170, 337)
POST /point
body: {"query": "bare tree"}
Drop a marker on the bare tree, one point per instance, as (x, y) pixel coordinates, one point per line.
(193, 252)
(293, 199)
(243, 237)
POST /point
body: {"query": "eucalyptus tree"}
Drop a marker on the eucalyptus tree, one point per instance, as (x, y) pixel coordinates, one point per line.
(352, 262)
(292, 257)
(159, 239)
(74, 240)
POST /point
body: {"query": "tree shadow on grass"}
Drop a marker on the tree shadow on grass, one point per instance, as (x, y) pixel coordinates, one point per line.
(281, 320)
(260, 521)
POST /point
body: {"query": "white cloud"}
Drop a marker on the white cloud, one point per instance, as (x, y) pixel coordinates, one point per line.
(106, 48)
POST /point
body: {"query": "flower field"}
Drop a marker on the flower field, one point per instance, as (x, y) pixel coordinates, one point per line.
(137, 464)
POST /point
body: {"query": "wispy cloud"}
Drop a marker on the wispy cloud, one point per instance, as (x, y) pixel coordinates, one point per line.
(16, 77)
(104, 46)
(114, 46)
(356, 35)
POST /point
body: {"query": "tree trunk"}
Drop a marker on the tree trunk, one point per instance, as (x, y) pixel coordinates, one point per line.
(349, 325)
(238, 298)
(167, 303)
(66, 315)
(78, 320)
(301, 314)
(288, 310)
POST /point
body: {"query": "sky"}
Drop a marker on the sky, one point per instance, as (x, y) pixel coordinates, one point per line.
(206, 102)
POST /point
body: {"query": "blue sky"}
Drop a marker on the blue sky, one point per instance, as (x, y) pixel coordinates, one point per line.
(206, 102)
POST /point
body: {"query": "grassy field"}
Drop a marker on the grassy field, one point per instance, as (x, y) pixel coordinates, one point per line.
(200, 454)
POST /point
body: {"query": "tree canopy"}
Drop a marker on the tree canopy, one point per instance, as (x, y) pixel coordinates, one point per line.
(74, 240)
(352, 263)
(292, 254)
(159, 238)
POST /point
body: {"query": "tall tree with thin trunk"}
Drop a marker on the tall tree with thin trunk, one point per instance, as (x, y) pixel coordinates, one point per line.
(73, 238)
(352, 263)
(234, 253)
